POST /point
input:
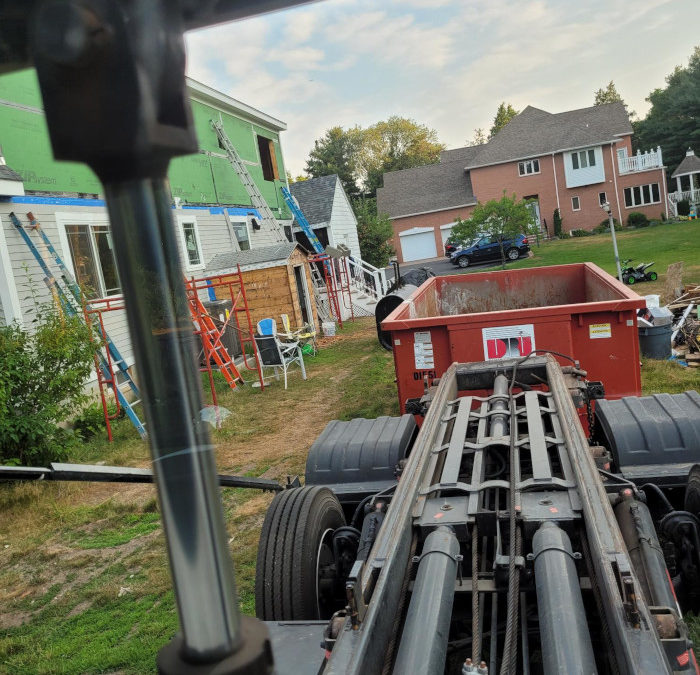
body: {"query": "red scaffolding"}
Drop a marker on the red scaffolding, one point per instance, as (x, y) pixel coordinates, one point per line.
(337, 279)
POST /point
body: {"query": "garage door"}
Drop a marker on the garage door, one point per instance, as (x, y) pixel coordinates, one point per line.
(418, 243)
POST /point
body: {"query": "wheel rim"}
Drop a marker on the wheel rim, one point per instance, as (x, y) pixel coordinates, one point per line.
(513, 254)
(324, 558)
(631, 280)
(463, 262)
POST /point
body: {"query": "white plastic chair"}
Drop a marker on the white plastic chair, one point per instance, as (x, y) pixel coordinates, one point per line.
(279, 355)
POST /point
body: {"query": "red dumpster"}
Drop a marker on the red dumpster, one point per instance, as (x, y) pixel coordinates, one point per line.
(578, 310)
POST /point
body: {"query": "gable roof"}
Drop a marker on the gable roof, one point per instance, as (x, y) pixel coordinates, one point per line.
(690, 164)
(315, 197)
(536, 132)
(255, 258)
(426, 188)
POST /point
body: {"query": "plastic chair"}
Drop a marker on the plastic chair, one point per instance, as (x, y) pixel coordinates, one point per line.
(267, 327)
(279, 355)
(304, 335)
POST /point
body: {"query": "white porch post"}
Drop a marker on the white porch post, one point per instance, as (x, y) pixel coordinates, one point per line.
(678, 184)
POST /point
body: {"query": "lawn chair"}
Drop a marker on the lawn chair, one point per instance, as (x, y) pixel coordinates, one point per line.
(267, 327)
(276, 354)
(304, 335)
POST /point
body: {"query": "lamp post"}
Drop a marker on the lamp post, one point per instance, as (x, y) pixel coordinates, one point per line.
(606, 207)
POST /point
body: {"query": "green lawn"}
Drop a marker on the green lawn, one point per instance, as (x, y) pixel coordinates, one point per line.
(665, 243)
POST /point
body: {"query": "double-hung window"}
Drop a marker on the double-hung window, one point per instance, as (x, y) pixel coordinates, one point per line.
(92, 254)
(583, 159)
(528, 167)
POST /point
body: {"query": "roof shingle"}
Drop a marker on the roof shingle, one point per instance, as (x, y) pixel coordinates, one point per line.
(253, 258)
(315, 197)
(690, 164)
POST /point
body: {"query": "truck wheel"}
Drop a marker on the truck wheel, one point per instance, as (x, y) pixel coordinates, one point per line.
(513, 254)
(463, 261)
(295, 575)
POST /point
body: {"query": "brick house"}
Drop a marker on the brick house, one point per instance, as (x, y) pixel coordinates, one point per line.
(572, 161)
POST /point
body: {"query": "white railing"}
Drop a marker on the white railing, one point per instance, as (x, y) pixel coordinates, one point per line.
(367, 278)
(641, 161)
(692, 196)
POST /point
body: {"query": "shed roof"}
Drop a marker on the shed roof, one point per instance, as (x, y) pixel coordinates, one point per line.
(690, 164)
(255, 258)
(315, 197)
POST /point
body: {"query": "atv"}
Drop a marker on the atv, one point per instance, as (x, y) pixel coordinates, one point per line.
(631, 275)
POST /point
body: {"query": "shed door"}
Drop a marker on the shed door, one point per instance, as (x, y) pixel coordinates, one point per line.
(418, 245)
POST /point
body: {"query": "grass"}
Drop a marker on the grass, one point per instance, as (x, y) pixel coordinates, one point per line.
(664, 243)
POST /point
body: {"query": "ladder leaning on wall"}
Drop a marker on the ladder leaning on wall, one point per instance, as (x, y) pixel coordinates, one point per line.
(73, 303)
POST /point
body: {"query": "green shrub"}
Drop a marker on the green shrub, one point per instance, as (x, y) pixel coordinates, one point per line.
(580, 233)
(637, 219)
(683, 207)
(663, 217)
(557, 219)
(42, 377)
(605, 226)
(91, 419)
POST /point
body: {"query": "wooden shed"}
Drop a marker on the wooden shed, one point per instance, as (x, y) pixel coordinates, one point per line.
(277, 281)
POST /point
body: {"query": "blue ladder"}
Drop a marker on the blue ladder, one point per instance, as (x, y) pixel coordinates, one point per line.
(301, 219)
(72, 303)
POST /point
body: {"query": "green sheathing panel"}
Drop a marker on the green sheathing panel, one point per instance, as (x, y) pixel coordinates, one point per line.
(197, 179)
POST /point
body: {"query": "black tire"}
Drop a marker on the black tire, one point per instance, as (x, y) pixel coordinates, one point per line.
(625, 279)
(512, 253)
(692, 491)
(295, 546)
(463, 261)
(652, 276)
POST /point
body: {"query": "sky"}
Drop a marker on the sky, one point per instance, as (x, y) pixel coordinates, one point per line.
(444, 63)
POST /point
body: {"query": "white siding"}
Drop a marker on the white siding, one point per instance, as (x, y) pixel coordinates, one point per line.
(343, 224)
(584, 176)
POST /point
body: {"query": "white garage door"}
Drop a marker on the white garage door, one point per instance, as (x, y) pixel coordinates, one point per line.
(418, 243)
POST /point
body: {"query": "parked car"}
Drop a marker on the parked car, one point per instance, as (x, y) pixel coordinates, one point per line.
(489, 248)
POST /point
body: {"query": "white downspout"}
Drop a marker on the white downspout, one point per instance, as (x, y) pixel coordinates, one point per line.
(617, 193)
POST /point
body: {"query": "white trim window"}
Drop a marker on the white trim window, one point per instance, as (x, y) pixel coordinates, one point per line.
(193, 257)
(242, 232)
(529, 167)
(602, 198)
(583, 159)
(641, 195)
(92, 256)
(575, 204)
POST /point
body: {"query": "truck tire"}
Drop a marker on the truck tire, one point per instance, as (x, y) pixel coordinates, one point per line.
(294, 578)
(463, 261)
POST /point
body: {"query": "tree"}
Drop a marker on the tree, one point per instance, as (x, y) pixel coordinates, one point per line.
(557, 222)
(672, 121)
(336, 153)
(505, 113)
(607, 95)
(501, 219)
(374, 232)
(394, 144)
(479, 137)
(300, 178)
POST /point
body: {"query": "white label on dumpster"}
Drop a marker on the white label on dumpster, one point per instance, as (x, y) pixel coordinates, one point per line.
(505, 342)
(599, 330)
(423, 350)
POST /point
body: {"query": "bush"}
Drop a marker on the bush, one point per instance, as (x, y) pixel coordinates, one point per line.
(663, 217)
(604, 226)
(557, 219)
(91, 420)
(580, 233)
(683, 207)
(637, 219)
(42, 377)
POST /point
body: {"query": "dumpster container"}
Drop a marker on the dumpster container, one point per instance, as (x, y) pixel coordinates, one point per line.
(578, 310)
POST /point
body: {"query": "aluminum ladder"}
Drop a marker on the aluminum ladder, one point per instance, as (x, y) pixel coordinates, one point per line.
(256, 198)
(72, 304)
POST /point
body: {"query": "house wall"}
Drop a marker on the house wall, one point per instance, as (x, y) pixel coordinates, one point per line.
(343, 225)
(203, 178)
(434, 220)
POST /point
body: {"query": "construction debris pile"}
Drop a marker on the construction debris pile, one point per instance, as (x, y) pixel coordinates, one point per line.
(686, 325)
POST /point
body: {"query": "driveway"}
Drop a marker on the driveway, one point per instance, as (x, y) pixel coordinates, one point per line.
(440, 266)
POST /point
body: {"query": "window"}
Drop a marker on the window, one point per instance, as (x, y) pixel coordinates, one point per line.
(190, 243)
(240, 229)
(575, 204)
(602, 198)
(529, 167)
(92, 254)
(583, 159)
(268, 160)
(642, 195)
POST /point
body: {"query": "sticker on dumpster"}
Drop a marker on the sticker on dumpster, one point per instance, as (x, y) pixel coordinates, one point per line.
(505, 342)
(599, 330)
(423, 350)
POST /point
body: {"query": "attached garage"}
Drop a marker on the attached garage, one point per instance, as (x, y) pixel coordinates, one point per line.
(418, 243)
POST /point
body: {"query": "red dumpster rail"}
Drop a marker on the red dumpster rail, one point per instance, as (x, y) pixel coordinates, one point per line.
(578, 310)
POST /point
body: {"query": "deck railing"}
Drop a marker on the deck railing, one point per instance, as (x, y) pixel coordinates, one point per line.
(642, 161)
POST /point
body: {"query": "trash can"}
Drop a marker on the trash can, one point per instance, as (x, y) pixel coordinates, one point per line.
(230, 339)
(655, 341)
(579, 310)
